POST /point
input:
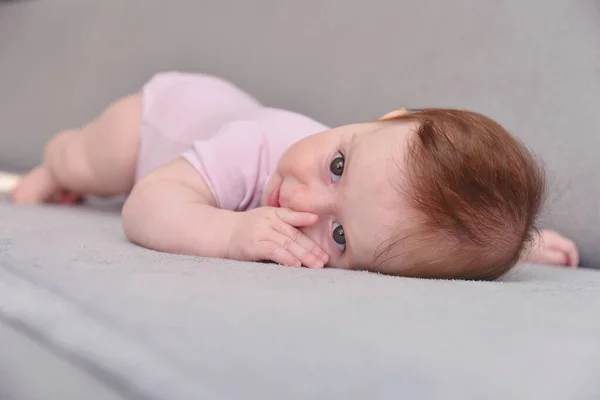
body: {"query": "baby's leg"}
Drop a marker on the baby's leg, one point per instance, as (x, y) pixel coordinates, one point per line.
(98, 159)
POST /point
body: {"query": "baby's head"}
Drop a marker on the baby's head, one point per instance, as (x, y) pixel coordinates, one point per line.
(434, 193)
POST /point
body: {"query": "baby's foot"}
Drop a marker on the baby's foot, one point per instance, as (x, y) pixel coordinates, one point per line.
(39, 186)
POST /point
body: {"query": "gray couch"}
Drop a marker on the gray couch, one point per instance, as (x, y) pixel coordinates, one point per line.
(86, 315)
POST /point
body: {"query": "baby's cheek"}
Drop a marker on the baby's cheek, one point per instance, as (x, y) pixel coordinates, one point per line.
(337, 263)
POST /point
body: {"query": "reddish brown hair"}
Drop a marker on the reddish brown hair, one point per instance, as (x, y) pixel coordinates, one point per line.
(477, 191)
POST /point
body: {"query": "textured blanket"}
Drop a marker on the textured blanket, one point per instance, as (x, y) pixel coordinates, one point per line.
(147, 325)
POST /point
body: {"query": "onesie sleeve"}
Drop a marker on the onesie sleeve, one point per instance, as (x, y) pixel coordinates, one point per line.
(231, 162)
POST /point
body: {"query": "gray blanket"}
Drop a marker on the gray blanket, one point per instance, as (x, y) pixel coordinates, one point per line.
(158, 326)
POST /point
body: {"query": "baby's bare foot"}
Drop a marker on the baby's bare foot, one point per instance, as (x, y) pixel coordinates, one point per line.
(39, 186)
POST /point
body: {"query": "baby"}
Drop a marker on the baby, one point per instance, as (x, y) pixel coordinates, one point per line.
(209, 171)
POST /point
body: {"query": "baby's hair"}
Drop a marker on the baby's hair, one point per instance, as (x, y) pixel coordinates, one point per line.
(476, 191)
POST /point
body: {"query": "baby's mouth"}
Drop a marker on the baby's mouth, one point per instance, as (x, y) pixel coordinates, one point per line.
(273, 198)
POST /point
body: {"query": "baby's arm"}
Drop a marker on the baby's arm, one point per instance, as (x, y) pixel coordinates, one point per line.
(173, 210)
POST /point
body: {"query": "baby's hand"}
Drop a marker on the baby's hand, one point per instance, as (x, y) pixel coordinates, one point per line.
(269, 233)
(552, 248)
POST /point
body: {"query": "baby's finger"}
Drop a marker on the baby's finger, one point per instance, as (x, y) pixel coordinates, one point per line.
(304, 243)
(295, 218)
(290, 243)
(281, 256)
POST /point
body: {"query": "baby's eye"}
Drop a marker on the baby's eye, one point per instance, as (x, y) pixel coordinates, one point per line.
(339, 237)
(337, 167)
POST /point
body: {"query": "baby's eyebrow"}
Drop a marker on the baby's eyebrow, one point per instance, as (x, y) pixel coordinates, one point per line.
(352, 141)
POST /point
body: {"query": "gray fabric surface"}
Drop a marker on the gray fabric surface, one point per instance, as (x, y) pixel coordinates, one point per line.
(31, 371)
(161, 326)
(530, 64)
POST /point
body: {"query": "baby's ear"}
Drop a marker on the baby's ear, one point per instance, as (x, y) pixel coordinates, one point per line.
(394, 114)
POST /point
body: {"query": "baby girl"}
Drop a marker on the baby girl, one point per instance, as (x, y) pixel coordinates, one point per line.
(209, 171)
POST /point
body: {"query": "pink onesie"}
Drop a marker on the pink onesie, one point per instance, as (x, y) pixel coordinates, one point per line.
(229, 137)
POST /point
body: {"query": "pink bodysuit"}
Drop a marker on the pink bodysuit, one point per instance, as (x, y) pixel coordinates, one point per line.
(229, 137)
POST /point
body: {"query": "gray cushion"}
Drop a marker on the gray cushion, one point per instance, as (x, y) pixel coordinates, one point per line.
(30, 370)
(161, 326)
(532, 65)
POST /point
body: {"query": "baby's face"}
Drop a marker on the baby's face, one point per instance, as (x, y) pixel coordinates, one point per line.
(348, 176)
